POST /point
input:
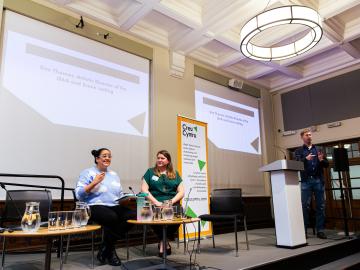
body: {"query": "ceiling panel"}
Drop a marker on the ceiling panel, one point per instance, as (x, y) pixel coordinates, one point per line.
(209, 31)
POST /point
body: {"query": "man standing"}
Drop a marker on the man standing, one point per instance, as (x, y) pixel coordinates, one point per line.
(312, 181)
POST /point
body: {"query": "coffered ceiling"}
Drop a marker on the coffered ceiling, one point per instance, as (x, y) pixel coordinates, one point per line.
(209, 31)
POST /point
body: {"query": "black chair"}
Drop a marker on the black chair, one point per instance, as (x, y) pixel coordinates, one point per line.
(15, 205)
(227, 204)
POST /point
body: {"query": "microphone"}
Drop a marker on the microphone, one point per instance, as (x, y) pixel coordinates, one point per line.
(12, 201)
(131, 189)
(187, 201)
(282, 150)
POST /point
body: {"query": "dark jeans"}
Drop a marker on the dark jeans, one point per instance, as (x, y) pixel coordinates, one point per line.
(308, 188)
(113, 219)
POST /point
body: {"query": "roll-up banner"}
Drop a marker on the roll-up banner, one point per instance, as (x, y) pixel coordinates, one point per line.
(193, 168)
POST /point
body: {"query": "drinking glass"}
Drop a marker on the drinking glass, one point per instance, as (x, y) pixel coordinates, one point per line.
(157, 213)
(52, 221)
(61, 220)
(76, 219)
(167, 212)
(69, 220)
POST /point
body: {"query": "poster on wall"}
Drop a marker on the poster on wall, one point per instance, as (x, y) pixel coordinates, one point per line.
(192, 165)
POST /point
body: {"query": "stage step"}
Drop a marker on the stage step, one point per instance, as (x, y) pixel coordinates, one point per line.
(318, 259)
(348, 262)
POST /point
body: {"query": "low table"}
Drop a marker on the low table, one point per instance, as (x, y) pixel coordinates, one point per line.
(164, 224)
(50, 235)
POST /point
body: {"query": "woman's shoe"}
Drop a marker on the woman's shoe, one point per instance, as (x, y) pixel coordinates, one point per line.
(168, 250)
(160, 254)
(102, 254)
(113, 258)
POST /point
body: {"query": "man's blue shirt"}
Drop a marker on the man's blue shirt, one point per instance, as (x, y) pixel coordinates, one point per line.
(313, 169)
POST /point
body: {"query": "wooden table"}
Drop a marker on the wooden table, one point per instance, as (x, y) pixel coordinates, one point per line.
(50, 235)
(164, 224)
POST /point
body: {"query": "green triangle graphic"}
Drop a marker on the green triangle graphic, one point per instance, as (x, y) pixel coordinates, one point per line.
(195, 129)
(201, 164)
(192, 214)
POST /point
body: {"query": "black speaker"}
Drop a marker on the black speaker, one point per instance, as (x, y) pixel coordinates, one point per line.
(341, 161)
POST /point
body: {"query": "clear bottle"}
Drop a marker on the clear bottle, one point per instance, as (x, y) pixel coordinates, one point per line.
(31, 218)
(84, 212)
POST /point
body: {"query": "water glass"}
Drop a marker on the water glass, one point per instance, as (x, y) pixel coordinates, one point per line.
(167, 213)
(61, 220)
(69, 220)
(76, 219)
(157, 213)
(52, 221)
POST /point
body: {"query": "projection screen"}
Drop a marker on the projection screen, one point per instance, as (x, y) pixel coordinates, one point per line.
(63, 95)
(234, 136)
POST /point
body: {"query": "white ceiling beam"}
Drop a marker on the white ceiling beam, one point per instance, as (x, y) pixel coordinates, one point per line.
(260, 71)
(333, 30)
(331, 8)
(220, 17)
(351, 50)
(293, 72)
(144, 10)
(231, 59)
(62, 2)
(347, 67)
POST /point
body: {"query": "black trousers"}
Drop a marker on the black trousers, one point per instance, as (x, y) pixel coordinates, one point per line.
(170, 232)
(113, 219)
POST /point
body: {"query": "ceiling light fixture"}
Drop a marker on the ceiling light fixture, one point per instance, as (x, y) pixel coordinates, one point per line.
(286, 15)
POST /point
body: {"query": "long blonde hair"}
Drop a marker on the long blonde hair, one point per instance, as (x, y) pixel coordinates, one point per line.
(170, 172)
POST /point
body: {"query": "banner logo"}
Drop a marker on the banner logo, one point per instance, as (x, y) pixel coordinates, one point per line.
(188, 131)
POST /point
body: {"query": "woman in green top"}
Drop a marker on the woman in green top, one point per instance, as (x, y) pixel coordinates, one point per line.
(163, 183)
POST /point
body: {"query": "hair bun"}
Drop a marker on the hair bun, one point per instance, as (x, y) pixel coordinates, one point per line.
(94, 153)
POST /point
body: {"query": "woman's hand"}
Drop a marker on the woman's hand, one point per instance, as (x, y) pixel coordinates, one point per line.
(158, 204)
(99, 178)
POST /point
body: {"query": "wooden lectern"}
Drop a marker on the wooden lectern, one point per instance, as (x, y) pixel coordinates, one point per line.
(286, 197)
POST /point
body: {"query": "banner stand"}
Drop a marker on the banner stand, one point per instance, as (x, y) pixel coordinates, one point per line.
(193, 167)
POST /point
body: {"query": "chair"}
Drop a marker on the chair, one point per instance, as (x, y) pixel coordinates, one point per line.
(227, 204)
(15, 207)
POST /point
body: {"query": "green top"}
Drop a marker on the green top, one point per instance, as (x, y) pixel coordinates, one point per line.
(162, 188)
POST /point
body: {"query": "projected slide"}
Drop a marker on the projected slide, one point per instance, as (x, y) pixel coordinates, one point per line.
(231, 125)
(69, 87)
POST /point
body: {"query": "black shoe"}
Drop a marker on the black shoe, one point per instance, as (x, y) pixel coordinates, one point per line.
(168, 250)
(102, 254)
(160, 254)
(113, 258)
(321, 235)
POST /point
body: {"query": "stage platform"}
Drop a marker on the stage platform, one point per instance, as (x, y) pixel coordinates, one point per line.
(332, 253)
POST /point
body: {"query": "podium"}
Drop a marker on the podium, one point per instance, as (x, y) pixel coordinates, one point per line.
(286, 197)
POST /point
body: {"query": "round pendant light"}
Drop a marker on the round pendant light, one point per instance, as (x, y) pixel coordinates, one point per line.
(286, 15)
